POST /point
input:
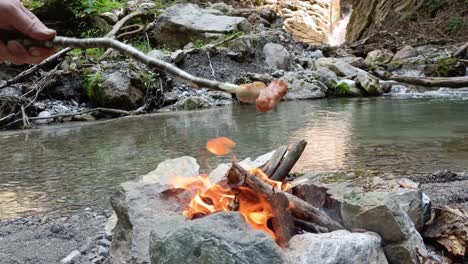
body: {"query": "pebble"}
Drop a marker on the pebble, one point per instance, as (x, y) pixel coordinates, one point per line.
(71, 258)
(103, 251)
(104, 242)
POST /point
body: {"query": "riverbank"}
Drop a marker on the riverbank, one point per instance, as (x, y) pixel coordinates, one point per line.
(265, 45)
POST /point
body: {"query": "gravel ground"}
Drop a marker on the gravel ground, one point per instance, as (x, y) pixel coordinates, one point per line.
(49, 239)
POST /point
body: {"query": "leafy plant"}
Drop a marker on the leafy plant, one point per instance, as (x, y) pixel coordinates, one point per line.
(93, 85)
(198, 44)
(456, 24)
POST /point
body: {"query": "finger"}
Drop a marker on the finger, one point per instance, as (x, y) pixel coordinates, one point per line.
(27, 23)
(17, 49)
(41, 52)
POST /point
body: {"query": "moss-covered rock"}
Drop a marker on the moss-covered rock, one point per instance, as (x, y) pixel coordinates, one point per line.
(446, 67)
(345, 88)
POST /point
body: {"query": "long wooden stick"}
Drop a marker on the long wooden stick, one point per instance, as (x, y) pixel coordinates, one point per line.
(130, 51)
(238, 176)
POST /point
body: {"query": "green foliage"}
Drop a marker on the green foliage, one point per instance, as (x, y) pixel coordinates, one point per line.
(150, 79)
(198, 44)
(443, 68)
(341, 90)
(93, 85)
(456, 24)
(80, 8)
(141, 45)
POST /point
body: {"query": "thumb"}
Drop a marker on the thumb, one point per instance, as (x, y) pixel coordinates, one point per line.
(30, 25)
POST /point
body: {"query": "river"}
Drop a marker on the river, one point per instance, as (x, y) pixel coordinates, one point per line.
(76, 165)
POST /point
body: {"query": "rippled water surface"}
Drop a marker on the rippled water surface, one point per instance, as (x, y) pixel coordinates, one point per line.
(76, 165)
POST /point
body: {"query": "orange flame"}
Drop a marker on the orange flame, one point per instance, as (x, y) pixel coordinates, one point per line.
(220, 146)
(210, 198)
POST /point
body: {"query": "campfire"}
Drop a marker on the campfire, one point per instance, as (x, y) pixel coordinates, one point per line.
(260, 194)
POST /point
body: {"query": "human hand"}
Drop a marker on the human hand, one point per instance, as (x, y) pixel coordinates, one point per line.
(15, 17)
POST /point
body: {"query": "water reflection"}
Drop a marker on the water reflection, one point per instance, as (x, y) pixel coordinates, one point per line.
(80, 164)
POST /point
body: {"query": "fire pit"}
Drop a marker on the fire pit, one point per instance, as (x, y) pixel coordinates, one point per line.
(248, 212)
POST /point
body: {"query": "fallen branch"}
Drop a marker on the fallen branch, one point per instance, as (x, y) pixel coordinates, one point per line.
(238, 176)
(450, 82)
(461, 50)
(33, 69)
(118, 26)
(99, 109)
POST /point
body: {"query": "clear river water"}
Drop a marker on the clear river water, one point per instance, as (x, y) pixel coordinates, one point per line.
(77, 165)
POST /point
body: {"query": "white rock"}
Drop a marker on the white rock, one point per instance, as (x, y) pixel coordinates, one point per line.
(276, 56)
(335, 247)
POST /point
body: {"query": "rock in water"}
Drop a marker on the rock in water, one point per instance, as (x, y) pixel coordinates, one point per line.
(303, 85)
(220, 238)
(369, 83)
(276, 56)
(336, 247)
(183, 23)
(140, 204)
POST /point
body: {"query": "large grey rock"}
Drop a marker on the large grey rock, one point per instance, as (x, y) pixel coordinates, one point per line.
(339, 246)
(276, 56)
(414, 203)
(179, 167)
(140, 204)
(406, 251)
(303, 85)
(118, 91)
(379, 56)
(214, 239)
(405, 53)
(368, 83)
(380, 213)
(184, 23)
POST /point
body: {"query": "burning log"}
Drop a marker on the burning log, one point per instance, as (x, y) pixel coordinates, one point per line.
(283, 221)
(275, 160)
(286, 165)
(238, 176)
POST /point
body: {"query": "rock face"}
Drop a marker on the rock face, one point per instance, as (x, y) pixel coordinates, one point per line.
(368, 16)
(214, 239)
(310, 21)
(140, 204)
(377, 212)
(276, 56)
(184, 23)
(303, 85)
(336, 247)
